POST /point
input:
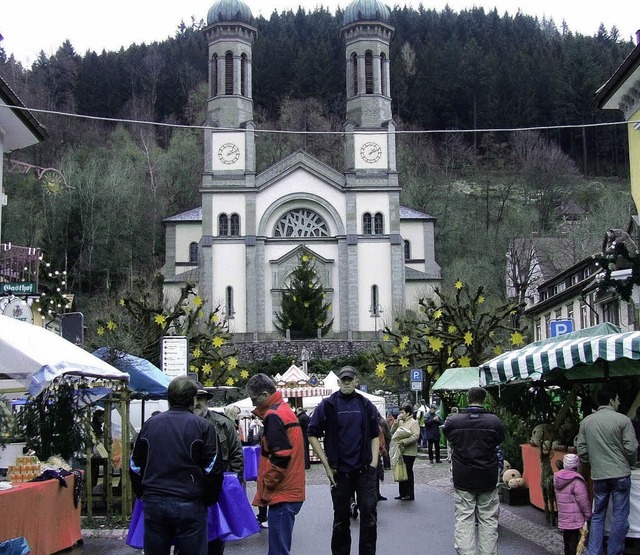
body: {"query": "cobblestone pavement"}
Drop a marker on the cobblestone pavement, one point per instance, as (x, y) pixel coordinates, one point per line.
(428, 523)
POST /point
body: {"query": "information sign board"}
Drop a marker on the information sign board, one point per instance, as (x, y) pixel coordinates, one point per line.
(174, 355)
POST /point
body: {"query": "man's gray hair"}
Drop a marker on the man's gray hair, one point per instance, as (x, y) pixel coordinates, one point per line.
(259, 383)
(181, 392)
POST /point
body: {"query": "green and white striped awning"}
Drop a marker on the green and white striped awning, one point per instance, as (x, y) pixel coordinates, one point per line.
(581, 358)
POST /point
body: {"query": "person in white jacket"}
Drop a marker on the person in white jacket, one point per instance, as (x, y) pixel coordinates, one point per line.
(405, 434)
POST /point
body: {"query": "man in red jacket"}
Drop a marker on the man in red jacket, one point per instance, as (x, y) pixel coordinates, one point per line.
(281, 476)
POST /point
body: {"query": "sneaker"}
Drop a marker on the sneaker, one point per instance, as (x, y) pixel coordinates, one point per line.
(264, 524)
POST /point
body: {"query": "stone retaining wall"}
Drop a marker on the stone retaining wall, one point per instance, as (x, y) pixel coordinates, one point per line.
(249, 351)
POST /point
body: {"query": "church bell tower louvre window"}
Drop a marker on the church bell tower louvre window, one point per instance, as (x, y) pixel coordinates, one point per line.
(354, 74)
(368, 72)
(243, 75)
(228, 73)
(383, 73)
(193, 253)
(301, 223)
(214, 75)
(407, 249)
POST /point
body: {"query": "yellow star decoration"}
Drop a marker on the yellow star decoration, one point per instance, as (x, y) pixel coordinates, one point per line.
(517, 338)
(429, 369)
(218, 341)
(404, 362)
(160, 319)
(215, 318)
(395, 350)
(294, 297)
(497, 350)
(451, 329)
(513, 312)
(437, 314)
(206, 368)
(197, 352)
(435, 343)
(244, 374)
(100, 330)
(386, 337)
(233, 363)
(465, 361)
(320, 324)
(121, 302)
(468, 338)
(481, 299)
(230, 381)
(193, 368)
(111, 325)
(305, 258)
(381, 368)
(197, 301)
(306, 304)
(404, 340)
(324, 295)
(459, 285)
(492, 334)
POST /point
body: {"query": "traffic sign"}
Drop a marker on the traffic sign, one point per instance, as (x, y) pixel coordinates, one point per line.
(416, 386)
(174, 354)
(416, 375)
(560, 327)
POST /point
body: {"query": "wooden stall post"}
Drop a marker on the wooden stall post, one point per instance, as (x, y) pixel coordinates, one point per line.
(108, 443)
(88, 471)
(125, 482)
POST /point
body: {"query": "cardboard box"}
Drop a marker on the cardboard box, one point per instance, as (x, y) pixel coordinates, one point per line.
(516, 496)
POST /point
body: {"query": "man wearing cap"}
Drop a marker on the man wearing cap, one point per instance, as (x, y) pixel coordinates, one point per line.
(608, 443)
(349, 424)
(231, 448)
(474, 434)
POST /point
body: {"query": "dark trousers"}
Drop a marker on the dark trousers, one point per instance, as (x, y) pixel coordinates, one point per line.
(434, 443)
(571, 539)
(363, 485)
(405, 488)
(307, 461)
(216, 547)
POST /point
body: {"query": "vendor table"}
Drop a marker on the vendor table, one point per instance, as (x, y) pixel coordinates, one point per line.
(251, 454)
(42, 512)
(532, 471)
(231, 518)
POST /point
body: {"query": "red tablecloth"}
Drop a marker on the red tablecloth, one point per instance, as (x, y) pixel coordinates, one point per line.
(42, 512)
(532, 471)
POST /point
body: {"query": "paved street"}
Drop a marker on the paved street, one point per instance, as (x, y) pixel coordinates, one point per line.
(424, 526)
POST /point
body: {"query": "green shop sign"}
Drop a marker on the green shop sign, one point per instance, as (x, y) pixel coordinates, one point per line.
(25, 288)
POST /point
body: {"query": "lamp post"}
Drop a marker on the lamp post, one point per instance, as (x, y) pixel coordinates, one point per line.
(304, 357)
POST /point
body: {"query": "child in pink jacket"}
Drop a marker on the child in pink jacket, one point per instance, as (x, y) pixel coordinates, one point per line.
(574, 507)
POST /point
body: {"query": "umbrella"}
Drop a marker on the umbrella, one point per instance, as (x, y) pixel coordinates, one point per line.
(458, 379)
(574, 357)
(35, 357)
(146, 380)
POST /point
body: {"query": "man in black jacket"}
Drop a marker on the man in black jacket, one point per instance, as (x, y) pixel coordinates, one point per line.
(176, 468)
(474, 435)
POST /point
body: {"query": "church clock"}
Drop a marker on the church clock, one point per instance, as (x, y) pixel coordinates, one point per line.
(370, 151)
(228, 151)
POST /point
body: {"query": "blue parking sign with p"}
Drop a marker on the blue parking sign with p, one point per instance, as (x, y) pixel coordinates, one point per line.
(560, 327)
(416, 375)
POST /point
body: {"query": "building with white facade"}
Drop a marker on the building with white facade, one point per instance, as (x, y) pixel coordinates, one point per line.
(374, 257)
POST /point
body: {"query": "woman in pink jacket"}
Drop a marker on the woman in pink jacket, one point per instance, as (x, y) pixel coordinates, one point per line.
(574, 507)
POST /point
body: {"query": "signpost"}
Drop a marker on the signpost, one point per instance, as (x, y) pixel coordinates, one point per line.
(416, 380)
(560, 327)
(174, 355)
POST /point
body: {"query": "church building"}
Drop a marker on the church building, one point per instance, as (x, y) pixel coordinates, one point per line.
(375, 258)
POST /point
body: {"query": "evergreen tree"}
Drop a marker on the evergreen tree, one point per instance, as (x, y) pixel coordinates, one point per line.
(304, 308)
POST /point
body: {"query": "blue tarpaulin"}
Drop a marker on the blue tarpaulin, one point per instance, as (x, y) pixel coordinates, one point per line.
(146, 380)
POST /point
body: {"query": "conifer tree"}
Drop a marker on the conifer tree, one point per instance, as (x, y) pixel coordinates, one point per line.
(304, 305)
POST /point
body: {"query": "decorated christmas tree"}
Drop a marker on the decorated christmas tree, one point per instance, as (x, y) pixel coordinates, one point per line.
(305, 308)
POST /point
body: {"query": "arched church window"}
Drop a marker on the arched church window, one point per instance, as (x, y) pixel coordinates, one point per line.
(368, 72)
(243, 75)
(223, 225)
(235, 225)
(367, 228)
(354, 73)
(301, 223)
(378, 224)
(407, 250)
(228, 304)
(375, 308)
(214, 75)
(228, 73)
(193, 253)
(383, 74)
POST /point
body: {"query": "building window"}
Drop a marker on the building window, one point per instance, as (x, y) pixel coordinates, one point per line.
(367, 228)
(243, 75)
(301, 223)
(584, 316)
(558, 313)
(229, 310)
(223, 225)
(547, 318)
(538, 333)
(354, 73)
(214, 75)
(570, 312)
(375, 301)
(383, 74)
(611, 312)
(407, 250)
(228, 73)
(378, 224)
(368, 72)
(235, 225)
(193, 253)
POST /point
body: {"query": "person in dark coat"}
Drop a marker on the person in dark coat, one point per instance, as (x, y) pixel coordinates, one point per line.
(303, 419)
(386, 432)
(432, 423)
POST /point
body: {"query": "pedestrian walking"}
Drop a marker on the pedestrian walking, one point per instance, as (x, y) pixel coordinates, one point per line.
(177, 467)
(432, 423)
(349, 424)
(281, 476)
(405, 433)
(572, 497)
(607, 442)
(474, 434)
(303, 419)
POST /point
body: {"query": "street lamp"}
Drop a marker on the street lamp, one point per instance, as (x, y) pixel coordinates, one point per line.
(304, 357)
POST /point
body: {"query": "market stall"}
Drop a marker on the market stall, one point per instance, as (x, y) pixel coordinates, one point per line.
(458, 379)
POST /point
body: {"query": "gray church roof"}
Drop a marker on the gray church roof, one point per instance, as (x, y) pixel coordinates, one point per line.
(411, 214)
(366, 10)
(410, 274)
(193, 215)
(229, 10)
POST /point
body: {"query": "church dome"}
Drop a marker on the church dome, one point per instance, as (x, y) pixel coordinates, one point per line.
(229, 10)
(366, 10)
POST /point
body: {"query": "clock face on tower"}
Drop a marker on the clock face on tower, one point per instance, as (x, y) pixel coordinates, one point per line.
(229, 153)
(370, 152)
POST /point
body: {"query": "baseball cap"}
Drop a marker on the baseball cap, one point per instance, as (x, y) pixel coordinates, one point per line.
(347, 372)
(570, 460)
(202, 392)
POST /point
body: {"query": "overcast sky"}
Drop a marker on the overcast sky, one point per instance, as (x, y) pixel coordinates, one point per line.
(29, 26)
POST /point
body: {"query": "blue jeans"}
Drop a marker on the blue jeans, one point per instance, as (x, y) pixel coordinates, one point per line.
(281, 518)
(618, 489)
(169, 520)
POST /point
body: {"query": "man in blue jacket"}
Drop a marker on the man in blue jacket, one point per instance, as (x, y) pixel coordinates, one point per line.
(349, 424)
(176, 468)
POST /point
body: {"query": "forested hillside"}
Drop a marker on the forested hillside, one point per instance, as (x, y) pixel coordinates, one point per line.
(451, 73)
